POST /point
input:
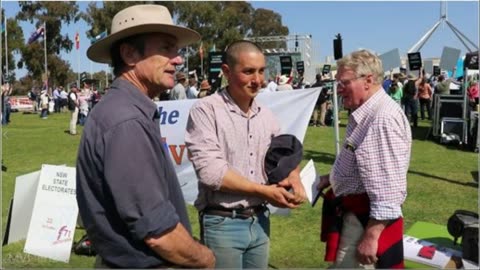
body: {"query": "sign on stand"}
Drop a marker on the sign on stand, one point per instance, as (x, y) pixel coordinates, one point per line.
(449, 58)
(54, 214)
(391, 60)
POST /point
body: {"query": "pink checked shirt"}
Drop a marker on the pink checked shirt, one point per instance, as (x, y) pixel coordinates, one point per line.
(219, 137)
(375, 156)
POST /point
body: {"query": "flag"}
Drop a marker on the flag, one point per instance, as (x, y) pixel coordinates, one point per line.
(77, 41)
(3, 27)
(200, 50)
(35, 35)
(98, 37)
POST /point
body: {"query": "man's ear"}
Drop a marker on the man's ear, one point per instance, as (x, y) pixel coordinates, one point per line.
(226, 71)
(129, 54)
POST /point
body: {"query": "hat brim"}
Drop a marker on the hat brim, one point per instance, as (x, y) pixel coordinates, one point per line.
(100, 50)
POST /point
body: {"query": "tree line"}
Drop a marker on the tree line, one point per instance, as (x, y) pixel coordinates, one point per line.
(219, 23)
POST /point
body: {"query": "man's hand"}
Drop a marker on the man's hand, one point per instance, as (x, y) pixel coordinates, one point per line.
(368, 246)
(324, 182)
(367, 250)
(278, 196)
(294, 182)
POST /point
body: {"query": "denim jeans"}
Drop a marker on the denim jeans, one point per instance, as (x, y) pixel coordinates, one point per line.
(238, 243)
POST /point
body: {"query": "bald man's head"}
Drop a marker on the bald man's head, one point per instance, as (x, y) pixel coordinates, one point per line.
(236, 47)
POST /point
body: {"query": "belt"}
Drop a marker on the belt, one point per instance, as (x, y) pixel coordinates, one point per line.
(242, 213)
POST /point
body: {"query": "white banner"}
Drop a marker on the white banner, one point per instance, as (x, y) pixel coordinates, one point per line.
(54, 216)
(292, 108)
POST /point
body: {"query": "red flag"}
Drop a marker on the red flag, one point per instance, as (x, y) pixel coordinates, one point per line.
(77, 41)
(200, 50)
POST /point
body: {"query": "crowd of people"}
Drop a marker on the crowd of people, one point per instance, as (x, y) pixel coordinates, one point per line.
(128, 193)
(414, 92)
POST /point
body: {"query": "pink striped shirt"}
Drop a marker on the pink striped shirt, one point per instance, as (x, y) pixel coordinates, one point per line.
(375, 156)
(219, 137)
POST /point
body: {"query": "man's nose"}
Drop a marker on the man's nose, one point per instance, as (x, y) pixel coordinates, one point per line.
(177, 60)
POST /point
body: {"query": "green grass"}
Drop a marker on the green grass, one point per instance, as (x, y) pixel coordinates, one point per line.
(440, 181)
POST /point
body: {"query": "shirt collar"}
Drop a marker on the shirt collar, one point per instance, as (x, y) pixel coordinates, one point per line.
(232, 106)
(368, 107)
(138, 99)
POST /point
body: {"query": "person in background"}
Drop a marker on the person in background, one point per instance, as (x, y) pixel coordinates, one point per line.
(472, 93)
(205, 89)
(321, 106)
(44, 104)
(396, 89)
(128, 193)
(369, 175)
(178, 91)
(192, 92)
(57, 99)
(73, 107)
(227, 136)
(410, 97)
(6, 106)
(425, 96)
(83, 105)
(63, 100)
(95, 98)
(284, 83)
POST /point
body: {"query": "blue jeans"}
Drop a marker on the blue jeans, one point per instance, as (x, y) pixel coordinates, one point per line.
(238, 243)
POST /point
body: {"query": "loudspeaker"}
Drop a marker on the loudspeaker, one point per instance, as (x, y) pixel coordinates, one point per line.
(337, 48)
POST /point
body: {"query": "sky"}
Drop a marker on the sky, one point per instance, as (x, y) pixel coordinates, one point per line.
(380, 26)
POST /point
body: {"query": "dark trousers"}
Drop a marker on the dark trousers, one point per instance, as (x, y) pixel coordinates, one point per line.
(425, 104)
(411, 110)
(57, 105)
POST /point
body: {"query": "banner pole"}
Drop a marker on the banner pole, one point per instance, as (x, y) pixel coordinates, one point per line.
(335, 119)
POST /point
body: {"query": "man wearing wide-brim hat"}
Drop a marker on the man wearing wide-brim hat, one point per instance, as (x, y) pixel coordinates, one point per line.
(128, 193)
(179, 92)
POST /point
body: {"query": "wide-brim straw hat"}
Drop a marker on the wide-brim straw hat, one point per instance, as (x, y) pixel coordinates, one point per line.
(411, 76)
(179, 76)
(283, 80)
(140, 19)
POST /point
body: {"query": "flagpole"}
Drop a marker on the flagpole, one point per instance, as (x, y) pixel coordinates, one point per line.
(78, 60)
(6, 52)
(45, 49)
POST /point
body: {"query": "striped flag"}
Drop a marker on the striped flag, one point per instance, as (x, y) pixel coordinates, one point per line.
(77, 41)
(35, 35)
(98, 37)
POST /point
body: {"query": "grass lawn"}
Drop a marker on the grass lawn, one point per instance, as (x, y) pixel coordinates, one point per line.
(441, 179)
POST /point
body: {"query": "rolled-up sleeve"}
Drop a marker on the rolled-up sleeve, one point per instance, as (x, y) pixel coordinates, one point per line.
(134, 175)
(202, 143)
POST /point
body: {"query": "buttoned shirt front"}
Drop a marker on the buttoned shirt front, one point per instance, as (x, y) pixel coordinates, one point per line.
(219, 137)
(127, 188)
(375, 156)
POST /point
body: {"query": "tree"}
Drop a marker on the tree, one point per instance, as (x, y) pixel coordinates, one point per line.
(53, 14)
(219, 23)
(15, 42)
(268, 23)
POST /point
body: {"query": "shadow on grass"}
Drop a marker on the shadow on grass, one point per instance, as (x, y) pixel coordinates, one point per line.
(474, 175)
(421, 133)
(317, 157)
(471, 184)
